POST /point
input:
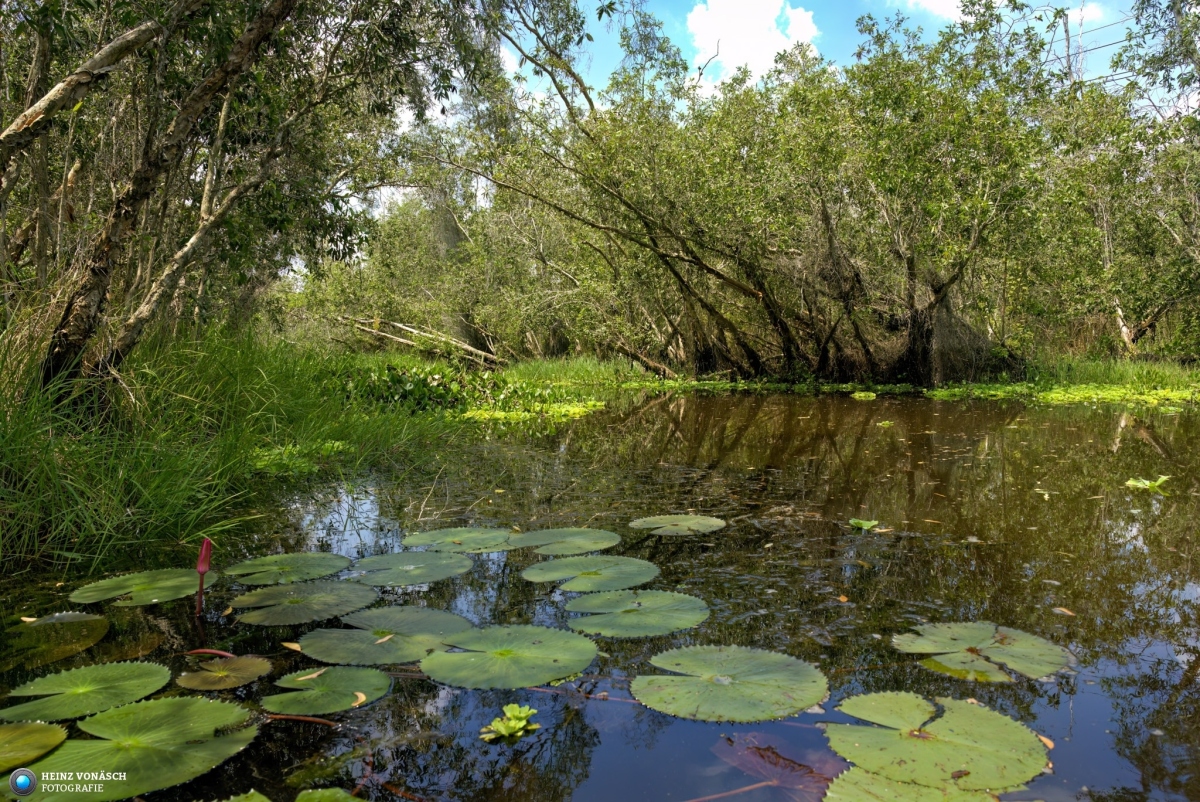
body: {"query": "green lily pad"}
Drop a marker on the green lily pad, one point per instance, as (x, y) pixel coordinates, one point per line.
(679, 524)
(282, 569)
(593, 573)
(52, 638)
(326, 795)
(249, 796)
(564, 542)
(147, 587)
(225, 673)
(411, 568)
(968, 747)
(384, 636)
(510, 657)
(472, 539)
(636, 613)
(858, 523)
(283, 605)
(21, 744)
(81, 691)
(730, 683)
(972, 651)
(155, 744)
(857, 785)
(328, 690)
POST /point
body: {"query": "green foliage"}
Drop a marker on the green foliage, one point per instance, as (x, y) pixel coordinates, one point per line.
(51, 638)
(225, 673)
(976, 650)
(858, 523)
(411, 568)
(282, 569)
(384, 636)
(21, 744)
(595, 572)
(284, 605)
(82, 691)
(515, 723)
(328, 690)
(509, 657)
(636, 613)
(145, 587)
(1153, 485)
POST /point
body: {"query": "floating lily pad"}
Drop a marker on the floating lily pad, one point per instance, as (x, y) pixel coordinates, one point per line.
(968, 747)
(326, 795)
(384, 636)
(411, 568)
(563, 542)
(636, 613)
(857, 785)
(973, 650)
(147, 587)
(249, 796)
(805, 773)
(679, 524)
(225, 673)
(328, 690)
(473, 539)
(859, 523)
(593, 573)
(21, 744)
(730, 683)
(282, 569)
(283, 605)
(81, 691)
(510, 657)
(155, 744)
(52, 638)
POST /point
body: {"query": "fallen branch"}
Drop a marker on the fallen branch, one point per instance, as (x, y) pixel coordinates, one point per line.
(423, 331)
(647, 361)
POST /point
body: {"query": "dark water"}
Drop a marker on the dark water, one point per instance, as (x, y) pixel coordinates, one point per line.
(993, 512)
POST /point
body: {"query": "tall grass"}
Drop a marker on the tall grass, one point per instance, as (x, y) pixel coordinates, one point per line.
(575, 370)
(1135, 374)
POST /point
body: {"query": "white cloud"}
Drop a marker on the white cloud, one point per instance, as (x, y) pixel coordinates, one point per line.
(1087, 12)
(946, 9)
(746, 32)
(509, 60)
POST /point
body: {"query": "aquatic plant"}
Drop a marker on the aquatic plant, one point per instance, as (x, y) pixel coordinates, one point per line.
(410, 568)
(565, 542)
(83, 691)
(146, 587)
(23, 743)
(281, 569)
(225, 673)
(977, 650)
(679, 524)
(472, 539)
(384, 636)
(51, 638)
(283, 605)
(327, 690)
(636, 613)
(593, 573)
(203, 563)
(514, 724)
(1153, 485)
(509, 657)
(858, 523)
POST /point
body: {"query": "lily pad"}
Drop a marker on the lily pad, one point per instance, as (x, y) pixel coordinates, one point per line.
(81, 691)
(21, 744)
(473, 539)
(155, 744)
(225, 673)
(326, 795)
(52, 638)
(968, 747)
(804, 774)
(510, 657)
(147, 587)
(975, 651)
(328, 690)
(283, 605)
(282, 569)
(857, 785)
(564, 542)
(593, 573)
(858, 523)
(679, 524)
(636, 613)
(411, 568)
(384, 636)
(730, 683)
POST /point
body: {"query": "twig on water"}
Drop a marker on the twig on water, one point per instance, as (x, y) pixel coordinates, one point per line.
(306, 719)
(404, 794)
(735, 791)
(216, 652)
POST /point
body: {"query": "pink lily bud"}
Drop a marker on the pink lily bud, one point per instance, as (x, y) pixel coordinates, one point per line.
(205, 559)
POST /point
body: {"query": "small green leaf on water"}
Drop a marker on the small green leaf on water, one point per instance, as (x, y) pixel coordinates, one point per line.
(858, 523)
(509, 657)
(1153, 485)
(283, 605)
(863, 395)
(82, 691)
(972, 650)
(470, 539)
(224, 673)
(515, 723)
(21, 744)
(564, 542)
(51, 638)
(280, 569)
(679, 524)
(858, 785)
(384, 636)
(326, 795)
(885, 423)
(636, 614)
(328, 690)
(147, 587)
(411, 568)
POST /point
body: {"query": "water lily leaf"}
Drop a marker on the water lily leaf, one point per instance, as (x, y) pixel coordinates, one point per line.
(224, 673)
(510, 657)
(384, 636)
(472, 539)
(411, 568)
(283, 605)
(863, 395)
(52, 638)
(730, 683)
(329, 690)
(857, 785)
(593, 573)
(636, 613)
(858, 523)
(281, 569)
(804, 775)
(249, 796)
(155, 744)
(81, 691)
(147, 587)
(972, 650)
(968, 747)
(565, 542)
(326, 795)
(21, 744)
(679, 524)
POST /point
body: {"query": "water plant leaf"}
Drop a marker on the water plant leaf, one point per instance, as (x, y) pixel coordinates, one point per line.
(384, 636)
(469, 539)
(968, 747)
(282, 569)
(858, 523)
(593, 573)
(565, 542)
(146, 587)
(249, 796)
(679, 524)
(21, 744)
(863, 395)
(283, 605)
(1153, 485)
(858, 785)
(514, 724)
(52, 638)
(330, 690)
(326, 795)
(411, 568)
(636, 614)
(730, 683)
(972, 650)
(81, 691)
(509, 657)
(224, 673)
(804, 775)
(155, 744)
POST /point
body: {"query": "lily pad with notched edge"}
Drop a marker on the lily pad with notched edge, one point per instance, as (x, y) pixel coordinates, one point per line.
(968, 747)
(21, 744)
(564, 542)
(730, 683)
(82, 691)
(225, 673)
(802, 775)
(284, 605)
(857, 785)
(679, 524)
(510, 657)
(384, 636)
(472, 539)
(282, 569)
(328, 690)
(52, 638)
(411, 568)
(636, 613)
(972, 651)
(147, 587)
(593, 573)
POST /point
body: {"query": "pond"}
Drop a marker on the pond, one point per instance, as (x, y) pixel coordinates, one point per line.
(986, 512)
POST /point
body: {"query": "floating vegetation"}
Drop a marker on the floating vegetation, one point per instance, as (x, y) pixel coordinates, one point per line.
(730, 683)
(1153, 485)
(311, 795)
(82, 691)
(468, 539)
(384, 636)
(863, 395)
(857, 785)
(281, 569)
(411, 568)
(776, 763)
(510, 657)
(636, 614)
(565, 542)
(593, 573)
(859, 523)
(976, 650)
(515, 723)
(284, 605)
(328, 690)
(679, 524)
(225, 673)
(51, 638)
(21, 744)
(147, 587)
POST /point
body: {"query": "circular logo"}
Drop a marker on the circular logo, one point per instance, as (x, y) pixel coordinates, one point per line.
(23, 782)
